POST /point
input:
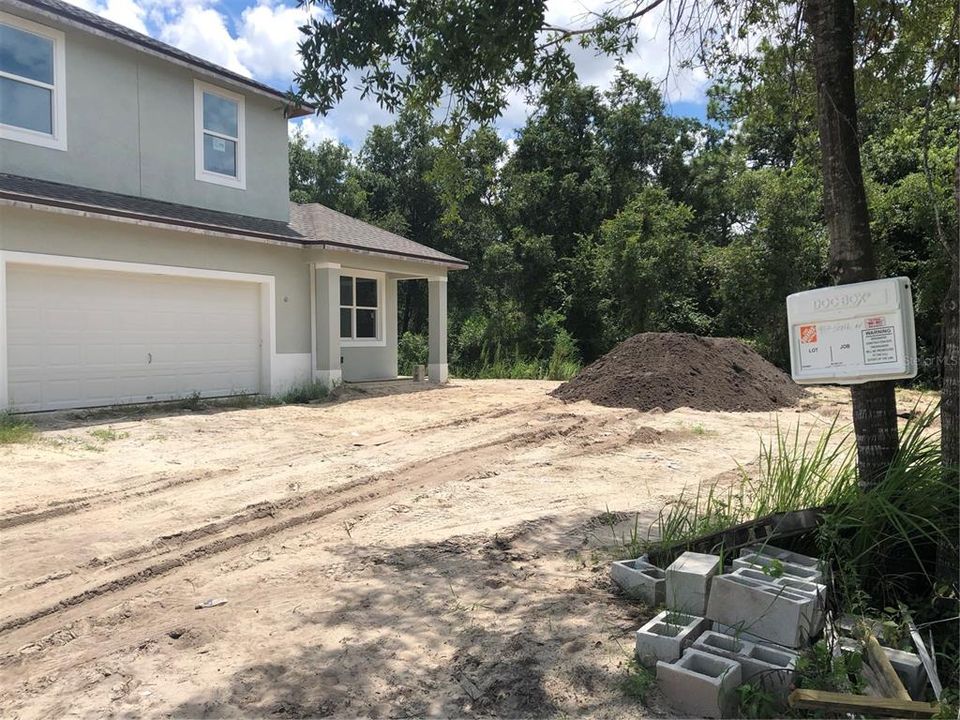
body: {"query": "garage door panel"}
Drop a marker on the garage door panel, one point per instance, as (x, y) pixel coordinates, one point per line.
(81, 338)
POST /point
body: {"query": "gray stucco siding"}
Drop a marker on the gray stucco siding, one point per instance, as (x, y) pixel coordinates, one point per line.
(130, 129)
(52, 233)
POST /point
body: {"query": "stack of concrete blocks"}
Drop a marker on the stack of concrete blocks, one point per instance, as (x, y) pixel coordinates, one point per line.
(640, 580)
(790, 564)
(766, 609)
(768, 666)
(666, 636)
(688, 582)
(703, 685)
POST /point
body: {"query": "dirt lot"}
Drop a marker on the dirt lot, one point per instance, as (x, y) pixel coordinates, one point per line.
(390, 554)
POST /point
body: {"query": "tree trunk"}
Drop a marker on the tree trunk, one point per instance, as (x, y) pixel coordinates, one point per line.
(950, 357)
(831, 24)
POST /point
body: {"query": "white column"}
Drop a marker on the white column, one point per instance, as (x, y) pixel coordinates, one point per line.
(327, 318)
(437, 291)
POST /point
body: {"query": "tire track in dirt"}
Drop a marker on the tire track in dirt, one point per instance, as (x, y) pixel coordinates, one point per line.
(434, 471)
(69, 506)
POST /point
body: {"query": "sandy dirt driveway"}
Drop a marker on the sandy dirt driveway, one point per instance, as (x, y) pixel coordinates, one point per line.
(390, 554)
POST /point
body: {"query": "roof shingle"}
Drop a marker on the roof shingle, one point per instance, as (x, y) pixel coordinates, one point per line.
(310, 225)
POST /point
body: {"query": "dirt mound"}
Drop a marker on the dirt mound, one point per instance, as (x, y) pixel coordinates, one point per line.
(672, 370)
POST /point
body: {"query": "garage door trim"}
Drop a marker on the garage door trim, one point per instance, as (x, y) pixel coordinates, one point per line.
(267, 299)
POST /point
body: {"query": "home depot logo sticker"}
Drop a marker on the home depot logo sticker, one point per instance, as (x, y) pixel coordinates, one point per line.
(808, 334)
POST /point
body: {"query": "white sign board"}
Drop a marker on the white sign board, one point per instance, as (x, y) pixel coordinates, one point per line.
(851, 334)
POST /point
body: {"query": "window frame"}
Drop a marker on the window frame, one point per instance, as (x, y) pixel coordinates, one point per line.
(202, 174)
(57, 140)
(353, 341)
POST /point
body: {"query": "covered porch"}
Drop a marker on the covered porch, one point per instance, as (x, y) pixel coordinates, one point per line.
(354, 319)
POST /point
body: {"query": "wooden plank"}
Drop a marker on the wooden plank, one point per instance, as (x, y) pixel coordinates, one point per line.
(878, 660)
(861, 704)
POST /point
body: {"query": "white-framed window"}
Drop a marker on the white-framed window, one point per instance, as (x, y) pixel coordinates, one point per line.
(361, 308)
(32, 83)
(220, 136)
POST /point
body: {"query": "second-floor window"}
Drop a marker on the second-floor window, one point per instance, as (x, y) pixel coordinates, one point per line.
(220, 136)
(32, 99)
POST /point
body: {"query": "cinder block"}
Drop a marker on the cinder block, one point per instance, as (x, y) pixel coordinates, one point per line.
(784, 556)
(641, 580)
(667, 635)
(701, 684)
(788, 569)
(688, 582)
(815, 591)
(772, 668)
(908, 666)
(766, 610)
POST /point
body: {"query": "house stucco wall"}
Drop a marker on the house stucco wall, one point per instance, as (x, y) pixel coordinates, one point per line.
(130, 130)
(54, 233)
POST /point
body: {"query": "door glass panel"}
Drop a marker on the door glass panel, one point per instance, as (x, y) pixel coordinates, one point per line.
(366, 292)
(220, 115)
(346, 322)
(219, 155)
(346, 290)
(366, 323)
(25, 54)
(26, 106)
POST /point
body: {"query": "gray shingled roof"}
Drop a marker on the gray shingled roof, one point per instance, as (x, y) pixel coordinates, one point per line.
(101, 25)
(310, 225)
(329, 227)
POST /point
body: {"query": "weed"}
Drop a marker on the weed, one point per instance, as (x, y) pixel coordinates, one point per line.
(14, 429)
(193, 401)
(819, 669)
(774, 569)
(108, 434)
(305, 392)
(627, 545)
(755, 702)
(638, 681)
(699, 429)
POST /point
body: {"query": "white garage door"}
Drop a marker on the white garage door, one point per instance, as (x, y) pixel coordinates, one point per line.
(82, 338)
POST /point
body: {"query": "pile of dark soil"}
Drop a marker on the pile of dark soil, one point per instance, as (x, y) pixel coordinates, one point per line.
(672, 370)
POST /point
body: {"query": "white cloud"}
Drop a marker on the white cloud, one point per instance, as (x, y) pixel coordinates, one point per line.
(123, 12)
(202, 31)
(314, 129)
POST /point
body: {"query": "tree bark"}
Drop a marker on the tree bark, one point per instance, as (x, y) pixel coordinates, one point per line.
(950, 354)
(831, 24)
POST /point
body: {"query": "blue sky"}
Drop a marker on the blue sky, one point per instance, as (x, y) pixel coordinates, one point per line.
(259, 39)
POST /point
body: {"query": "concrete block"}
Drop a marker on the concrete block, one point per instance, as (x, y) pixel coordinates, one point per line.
(788, 569)
(641, 580)
(701, 684)
(908, 666)
(771, 668)
(688, 582)
(815, 591)
(774, 613)
(784, 556)
(667, 635)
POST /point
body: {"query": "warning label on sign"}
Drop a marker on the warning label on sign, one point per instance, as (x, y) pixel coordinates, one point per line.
(808, 333)
(879, 346)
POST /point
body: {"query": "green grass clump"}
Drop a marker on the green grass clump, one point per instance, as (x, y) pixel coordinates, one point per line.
(108, 434)
(638, 681)
(305, 392)
(15, 429)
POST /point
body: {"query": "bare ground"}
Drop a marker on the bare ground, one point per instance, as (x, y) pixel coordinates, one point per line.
(391, 554)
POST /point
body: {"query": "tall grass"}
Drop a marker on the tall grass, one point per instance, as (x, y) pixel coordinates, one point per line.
(794, 472)
(15, 429)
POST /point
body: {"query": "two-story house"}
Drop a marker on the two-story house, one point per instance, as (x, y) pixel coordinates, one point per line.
(148, 249)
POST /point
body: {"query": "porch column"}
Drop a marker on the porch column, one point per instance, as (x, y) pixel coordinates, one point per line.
(326, 312)
(437, 291)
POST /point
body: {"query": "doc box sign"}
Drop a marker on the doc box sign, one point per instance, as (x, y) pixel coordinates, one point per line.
(851, 334)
